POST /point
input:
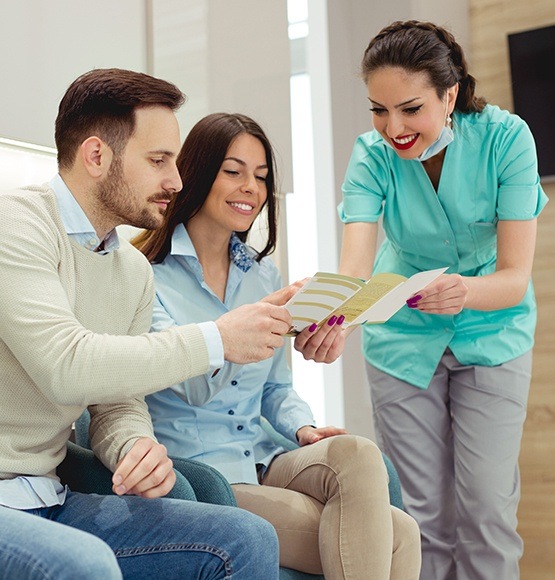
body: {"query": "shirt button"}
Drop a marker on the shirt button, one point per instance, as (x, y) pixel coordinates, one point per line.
(247, 453)
(239, 427)
(231, 412)
(233, 383)
(446, 242)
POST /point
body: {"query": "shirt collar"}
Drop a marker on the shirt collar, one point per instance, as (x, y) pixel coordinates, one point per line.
(239, 252)
(76, 223)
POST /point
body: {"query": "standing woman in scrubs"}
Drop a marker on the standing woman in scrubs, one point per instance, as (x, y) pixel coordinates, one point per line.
(456, 182)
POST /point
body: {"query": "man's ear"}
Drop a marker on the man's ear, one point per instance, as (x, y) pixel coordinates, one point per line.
(96, 156)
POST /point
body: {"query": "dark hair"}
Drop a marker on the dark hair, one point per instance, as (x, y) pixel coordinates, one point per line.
(199, 162)
(424, 47)
(102, 102)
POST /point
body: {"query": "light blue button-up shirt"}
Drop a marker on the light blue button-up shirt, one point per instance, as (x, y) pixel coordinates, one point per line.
(216, 419)
(489, 174)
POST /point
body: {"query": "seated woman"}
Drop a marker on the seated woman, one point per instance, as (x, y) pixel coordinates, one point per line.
(328, 500)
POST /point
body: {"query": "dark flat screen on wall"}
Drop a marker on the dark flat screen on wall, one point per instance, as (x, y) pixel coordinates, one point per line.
(532, 58)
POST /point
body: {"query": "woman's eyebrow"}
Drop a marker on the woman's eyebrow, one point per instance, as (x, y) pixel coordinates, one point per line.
(404, 103)
(241, 162)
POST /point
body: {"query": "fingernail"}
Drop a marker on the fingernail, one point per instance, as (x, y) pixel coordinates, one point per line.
(120, 489)
(340, 320)
(412, 302)
(117, 479)
(312, 327)
(332, 320)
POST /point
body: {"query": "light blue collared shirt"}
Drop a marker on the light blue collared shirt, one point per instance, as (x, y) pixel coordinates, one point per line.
(216, 419)
(77, 224)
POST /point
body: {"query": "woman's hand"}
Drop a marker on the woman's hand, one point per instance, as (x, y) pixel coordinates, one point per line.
(445, 295)
(308, 434)
(325, 344)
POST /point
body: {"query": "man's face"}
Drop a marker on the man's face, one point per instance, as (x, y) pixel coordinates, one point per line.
(141, 182)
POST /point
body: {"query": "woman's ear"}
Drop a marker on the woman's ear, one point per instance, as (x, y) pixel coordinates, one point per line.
(96, 156)
(452, 93)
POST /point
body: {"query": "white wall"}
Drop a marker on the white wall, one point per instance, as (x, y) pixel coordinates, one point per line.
(45, 45)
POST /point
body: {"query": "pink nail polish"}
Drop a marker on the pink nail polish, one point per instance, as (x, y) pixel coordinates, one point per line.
(312, 327)
(332, 320)
(412, 302)
(340, 320)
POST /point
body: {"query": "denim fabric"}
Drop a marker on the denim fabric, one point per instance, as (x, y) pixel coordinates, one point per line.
(165, 538)
(35, 549)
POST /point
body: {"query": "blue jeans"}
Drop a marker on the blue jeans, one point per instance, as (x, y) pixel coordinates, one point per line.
(172, 538)
(35, 549)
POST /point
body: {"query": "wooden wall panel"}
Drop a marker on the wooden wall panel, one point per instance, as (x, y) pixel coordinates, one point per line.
(490, 22)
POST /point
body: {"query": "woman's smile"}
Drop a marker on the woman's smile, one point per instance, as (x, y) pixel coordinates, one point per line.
(405, 142)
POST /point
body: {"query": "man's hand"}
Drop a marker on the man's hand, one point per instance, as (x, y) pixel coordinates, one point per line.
(146, 471)
(307, 435)
(251, 332)
(283, 295)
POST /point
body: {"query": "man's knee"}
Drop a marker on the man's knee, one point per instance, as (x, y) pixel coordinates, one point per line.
(97, 561)
(252, 543)
(261, 530)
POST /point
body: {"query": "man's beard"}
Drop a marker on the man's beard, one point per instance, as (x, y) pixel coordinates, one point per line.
(117, 198)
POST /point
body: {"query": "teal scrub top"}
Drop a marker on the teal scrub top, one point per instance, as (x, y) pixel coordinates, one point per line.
(489, 174)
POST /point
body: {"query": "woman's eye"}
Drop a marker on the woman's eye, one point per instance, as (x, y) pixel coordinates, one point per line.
(157, 161)
(413, 110)
(377, 111)
(261, 178)
(231, 172)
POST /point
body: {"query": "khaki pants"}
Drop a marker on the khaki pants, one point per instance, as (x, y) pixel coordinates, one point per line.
(329, 504)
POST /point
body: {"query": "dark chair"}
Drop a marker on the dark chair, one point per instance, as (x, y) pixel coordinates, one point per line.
(196, 481)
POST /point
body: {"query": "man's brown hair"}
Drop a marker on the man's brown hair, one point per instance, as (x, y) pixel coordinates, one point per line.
(102, 102)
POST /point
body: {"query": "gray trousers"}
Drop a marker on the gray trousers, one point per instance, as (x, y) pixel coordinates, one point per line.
(455, 446)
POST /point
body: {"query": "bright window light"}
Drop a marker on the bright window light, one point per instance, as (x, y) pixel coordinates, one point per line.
(297, 11)
(302, 250)
(25, 164)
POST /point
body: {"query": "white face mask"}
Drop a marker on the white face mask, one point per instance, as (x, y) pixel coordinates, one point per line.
(446, 137)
